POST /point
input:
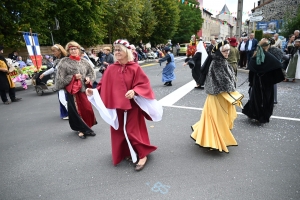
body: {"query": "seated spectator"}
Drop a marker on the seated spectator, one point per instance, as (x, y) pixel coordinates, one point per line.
(21, 62)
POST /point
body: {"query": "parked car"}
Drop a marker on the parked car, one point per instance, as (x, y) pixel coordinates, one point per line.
(183, 48)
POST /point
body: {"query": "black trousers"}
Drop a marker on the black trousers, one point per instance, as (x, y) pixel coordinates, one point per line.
(11, 93)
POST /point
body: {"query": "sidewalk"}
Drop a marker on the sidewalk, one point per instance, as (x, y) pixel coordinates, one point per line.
(29, 82)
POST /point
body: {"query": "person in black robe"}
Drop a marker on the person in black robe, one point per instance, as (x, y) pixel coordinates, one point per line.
(264, 71)
(195, 64)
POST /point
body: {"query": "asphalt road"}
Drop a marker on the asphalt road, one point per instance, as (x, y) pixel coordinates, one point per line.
(42, 158)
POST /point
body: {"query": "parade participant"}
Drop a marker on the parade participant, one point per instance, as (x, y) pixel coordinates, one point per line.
(6, 82)
(197, 61)
(233, 56)
(168, 71)
(122, 84)
(58, 52)
(264, 71)
(293, 69)
(135, 54)
(191, 49)
(74, 74)
(219, 113)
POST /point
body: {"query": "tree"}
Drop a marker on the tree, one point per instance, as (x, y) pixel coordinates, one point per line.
(123, 19)
(167, 13)
(291, 23)
(190, 22)
(148, 22)
(80, 20)
(21, 16)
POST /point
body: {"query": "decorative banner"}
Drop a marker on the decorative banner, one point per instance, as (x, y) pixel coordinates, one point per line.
(33, 48)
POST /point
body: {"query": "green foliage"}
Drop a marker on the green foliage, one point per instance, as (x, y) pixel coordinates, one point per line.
(21, 16)
(148, 21)
(123, 19)
(79, 20)
(167, 13)
(267, 35)
(291, 23)
(190, 22)
(258, 34)
(92, 22)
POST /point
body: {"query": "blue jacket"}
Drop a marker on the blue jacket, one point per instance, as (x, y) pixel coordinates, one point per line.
(254, 44)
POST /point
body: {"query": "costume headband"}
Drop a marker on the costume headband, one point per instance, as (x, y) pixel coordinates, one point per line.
(123, 42)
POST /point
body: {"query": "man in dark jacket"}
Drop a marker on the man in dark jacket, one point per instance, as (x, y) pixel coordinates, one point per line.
(6, 84)
(251, 47)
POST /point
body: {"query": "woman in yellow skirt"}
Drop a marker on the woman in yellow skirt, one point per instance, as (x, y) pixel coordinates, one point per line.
(219, 113)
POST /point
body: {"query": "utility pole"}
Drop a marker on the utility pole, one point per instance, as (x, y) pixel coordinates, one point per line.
(239, 18)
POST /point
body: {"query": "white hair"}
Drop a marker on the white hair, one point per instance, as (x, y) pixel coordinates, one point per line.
(226, 46)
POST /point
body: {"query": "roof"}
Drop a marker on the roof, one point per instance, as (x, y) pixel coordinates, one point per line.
(207, 12)
(225, 9)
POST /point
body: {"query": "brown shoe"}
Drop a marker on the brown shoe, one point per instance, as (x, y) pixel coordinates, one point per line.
(139, 167)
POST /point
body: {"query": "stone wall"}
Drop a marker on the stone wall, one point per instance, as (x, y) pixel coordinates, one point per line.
(276, 9)
(46, 50)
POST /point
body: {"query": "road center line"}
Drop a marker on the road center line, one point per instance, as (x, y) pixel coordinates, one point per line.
(239, 113)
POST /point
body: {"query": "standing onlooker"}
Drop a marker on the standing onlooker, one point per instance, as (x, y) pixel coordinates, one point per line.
(13, 55)
(177, 49)
(218, 115)
(293, 69)
(250, 47)
(297, 34)
(290, 44)
(168, 71)
(6, 82)
(100, 56)
(108, 58)
(120, 88)
(264, 71)
(211, 46)
(58, 52)
(233, 57)
(243, 54)
(278, 42)
(75, 74)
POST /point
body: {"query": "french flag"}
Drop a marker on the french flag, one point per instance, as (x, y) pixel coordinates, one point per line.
(33, 48)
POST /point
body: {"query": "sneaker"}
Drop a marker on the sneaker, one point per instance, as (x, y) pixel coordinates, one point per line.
(16, 100)
(66, 118)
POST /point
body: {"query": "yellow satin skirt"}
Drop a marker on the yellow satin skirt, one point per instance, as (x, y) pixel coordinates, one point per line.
(213, 129)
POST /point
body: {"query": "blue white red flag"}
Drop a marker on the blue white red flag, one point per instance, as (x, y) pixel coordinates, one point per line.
(33, 48)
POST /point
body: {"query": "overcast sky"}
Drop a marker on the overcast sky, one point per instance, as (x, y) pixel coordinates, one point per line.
(217, 5)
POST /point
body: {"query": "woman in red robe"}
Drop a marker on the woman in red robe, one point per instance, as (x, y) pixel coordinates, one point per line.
(121, 84)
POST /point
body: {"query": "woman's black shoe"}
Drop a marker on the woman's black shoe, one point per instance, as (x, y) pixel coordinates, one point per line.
(169, 84)
(91, 134)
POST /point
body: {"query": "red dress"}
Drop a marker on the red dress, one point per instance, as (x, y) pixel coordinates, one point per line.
(112, 89)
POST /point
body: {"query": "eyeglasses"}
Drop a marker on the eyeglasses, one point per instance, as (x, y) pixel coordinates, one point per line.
(73, 49)
(118, 50)
(226, 51)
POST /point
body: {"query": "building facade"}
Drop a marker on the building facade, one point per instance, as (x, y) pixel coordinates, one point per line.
(206, 26)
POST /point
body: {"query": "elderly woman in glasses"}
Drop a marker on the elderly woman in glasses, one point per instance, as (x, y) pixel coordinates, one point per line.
(213, 128)
(74, 75)
(126, 93)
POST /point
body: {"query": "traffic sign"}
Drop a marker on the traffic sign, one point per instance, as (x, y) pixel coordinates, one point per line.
(256, 19)
(255, 14)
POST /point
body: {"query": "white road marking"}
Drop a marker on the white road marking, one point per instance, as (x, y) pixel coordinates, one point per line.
(173, 97)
